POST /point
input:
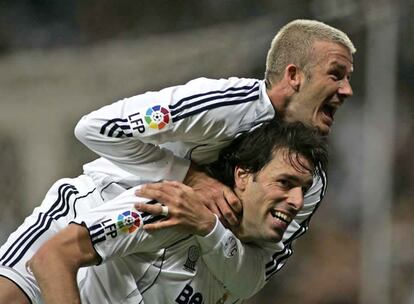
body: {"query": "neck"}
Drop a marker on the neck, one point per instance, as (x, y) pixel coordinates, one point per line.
(241, 234)
(278, 95)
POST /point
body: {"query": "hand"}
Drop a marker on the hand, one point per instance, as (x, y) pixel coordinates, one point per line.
(217, 197)
(184, 209)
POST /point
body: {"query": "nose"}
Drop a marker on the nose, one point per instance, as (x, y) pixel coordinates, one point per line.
(345, 88)
(295, 198)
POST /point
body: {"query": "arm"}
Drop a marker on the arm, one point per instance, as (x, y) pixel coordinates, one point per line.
(194, 121)
(182, 118)
(201, 113)
(56, 263)
(109, 231)
(240, 267)
(119, 133)
(122, 133)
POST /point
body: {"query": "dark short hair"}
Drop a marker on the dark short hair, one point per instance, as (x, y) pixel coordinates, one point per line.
(253, 150)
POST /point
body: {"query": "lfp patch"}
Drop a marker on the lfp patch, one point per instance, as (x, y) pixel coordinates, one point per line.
(157, 117)
(128, 221)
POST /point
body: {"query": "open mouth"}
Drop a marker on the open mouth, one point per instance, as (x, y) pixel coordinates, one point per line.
(329, 110)
(281, 216)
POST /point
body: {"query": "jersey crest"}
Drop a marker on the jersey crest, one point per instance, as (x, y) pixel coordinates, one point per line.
(192, 257)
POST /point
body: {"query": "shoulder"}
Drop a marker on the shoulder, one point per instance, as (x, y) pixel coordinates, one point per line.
(205, 84)
(204, 93)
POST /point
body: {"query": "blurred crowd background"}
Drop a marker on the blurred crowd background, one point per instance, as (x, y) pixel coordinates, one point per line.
(61, 59)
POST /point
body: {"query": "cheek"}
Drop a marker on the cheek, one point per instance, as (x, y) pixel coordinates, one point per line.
(255, 203)
(318, 90)
(250, 201)
(275, 195)
(298, 110)
(271, 199)
(307, 101)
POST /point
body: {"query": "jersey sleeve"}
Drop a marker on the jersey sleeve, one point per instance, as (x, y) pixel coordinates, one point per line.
(240, 267)
(128, 133)
(116, 228)
(202, 112)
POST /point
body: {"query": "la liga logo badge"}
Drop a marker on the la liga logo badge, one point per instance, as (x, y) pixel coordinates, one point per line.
(128, 221)
(157, 117)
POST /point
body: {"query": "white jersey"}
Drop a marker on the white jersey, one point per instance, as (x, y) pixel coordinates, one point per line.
(64, 200)
(152, 136)
(164, 266)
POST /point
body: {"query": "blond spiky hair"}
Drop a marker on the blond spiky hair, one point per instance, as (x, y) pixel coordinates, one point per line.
(293, 45)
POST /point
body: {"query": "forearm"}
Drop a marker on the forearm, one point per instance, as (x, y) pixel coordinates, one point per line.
(57, 281)
(240, 267)
(56, 263)
(112, 132)
(132, 154)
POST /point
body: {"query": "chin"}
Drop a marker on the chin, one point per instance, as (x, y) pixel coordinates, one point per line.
(274, 238)
(324, 129)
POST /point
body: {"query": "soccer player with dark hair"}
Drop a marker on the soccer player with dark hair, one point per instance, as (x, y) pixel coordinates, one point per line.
(269, 169)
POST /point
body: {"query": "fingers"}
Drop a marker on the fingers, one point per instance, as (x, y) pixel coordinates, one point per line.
(155, 210)
(230, 208)
(159, 225)
(218, 198)
(232, 200)
(157, 191)
(226, 216)
(152, 209)
(213, 207)
(164, 211)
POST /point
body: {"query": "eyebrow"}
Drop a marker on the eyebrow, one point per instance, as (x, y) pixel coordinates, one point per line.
(296, 179)
(336, 65)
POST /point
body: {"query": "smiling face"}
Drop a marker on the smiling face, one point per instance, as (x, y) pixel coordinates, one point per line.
(272, 197)
(323, 89)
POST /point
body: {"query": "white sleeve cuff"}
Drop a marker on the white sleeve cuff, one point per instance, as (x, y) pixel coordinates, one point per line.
(210, 241)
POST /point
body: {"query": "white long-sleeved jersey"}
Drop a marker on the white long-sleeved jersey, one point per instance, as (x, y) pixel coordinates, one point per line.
(164, 266)
(153, 136)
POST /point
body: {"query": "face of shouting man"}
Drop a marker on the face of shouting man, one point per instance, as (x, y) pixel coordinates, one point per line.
(322, 88)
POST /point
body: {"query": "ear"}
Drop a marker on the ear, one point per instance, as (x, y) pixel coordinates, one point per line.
(293, 76)
(241, 178)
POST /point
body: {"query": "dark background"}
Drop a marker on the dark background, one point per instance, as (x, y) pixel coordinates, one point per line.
(61, 59)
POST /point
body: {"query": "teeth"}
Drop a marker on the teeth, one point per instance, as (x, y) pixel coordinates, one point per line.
(282, 216)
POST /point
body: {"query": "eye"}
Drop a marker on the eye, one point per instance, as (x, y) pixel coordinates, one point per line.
(284, 183)
(336, 75)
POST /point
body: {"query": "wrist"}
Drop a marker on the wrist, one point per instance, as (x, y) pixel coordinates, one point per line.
(209, 226)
